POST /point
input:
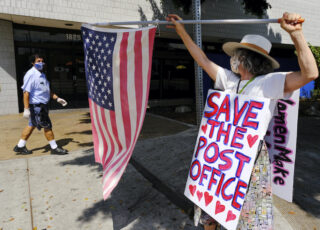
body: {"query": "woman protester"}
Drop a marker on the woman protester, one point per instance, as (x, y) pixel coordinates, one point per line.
(253, 74)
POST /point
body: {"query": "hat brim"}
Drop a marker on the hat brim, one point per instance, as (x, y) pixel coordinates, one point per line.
(230, 47)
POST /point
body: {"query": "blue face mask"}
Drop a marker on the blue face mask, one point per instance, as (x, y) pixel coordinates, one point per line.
(39, 65)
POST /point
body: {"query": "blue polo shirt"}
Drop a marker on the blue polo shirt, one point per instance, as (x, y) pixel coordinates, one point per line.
(37, 85)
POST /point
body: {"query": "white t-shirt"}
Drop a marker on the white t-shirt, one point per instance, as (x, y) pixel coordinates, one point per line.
(268, 86)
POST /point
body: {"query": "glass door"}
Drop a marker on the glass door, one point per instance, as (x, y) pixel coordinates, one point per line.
(67, 77)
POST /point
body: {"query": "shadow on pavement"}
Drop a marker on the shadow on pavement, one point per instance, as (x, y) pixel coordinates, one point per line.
(86, 160)
(86, 119)
(135, 204)
(307, 171)
(87, 144)
(85, 132)
(60, 143)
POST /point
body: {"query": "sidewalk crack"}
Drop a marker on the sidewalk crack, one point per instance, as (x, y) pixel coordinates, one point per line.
(30, 198)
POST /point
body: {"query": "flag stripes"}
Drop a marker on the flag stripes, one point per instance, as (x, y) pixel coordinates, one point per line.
(115, 132)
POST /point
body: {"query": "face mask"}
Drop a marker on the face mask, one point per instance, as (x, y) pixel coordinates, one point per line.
(39, 65)
(234, 63)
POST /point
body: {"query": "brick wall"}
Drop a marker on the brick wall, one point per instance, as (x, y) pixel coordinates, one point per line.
(8, 84)
(307, 9)
(80, 10)
(233, 9)
(132, 10)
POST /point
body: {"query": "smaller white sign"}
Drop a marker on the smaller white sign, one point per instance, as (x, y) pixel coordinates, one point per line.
(281, 140)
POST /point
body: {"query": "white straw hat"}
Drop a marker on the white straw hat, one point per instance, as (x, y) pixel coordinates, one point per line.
(256, 43)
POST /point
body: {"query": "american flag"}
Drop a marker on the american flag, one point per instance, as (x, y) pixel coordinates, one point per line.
(118, 68)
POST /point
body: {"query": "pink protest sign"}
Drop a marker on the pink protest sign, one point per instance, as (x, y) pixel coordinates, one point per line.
(231, 129)
(281, 141)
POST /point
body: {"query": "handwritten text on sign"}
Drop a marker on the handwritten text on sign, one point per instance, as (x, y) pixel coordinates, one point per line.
(231, 129)
(281, 140)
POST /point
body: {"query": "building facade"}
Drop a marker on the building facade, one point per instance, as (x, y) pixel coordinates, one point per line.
(52, 28)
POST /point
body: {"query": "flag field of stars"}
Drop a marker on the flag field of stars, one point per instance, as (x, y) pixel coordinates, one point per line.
(98, 48)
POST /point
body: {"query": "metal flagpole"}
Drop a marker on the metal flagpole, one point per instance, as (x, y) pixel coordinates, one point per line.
(197, 69)
(197, 37)
(213, 21)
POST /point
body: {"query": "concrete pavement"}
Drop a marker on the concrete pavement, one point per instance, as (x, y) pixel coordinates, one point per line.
(64, 192)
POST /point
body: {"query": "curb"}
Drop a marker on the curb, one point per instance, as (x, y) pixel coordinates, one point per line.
(176, 198)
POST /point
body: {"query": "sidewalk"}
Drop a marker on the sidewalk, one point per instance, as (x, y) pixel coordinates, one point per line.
(64, 192)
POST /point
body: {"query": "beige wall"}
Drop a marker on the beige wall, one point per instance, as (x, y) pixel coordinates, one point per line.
(232, 9)
(8, 84)
(56, 13)
(78, 10)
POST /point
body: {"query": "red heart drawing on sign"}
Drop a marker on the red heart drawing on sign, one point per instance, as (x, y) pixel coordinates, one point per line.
(207, 198)
(204, 128)
(252, 139)
(192, 189)
(219, 207)
(199, 194)
(230, 216)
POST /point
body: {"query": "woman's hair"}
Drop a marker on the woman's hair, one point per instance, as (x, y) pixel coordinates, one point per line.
(255, 63)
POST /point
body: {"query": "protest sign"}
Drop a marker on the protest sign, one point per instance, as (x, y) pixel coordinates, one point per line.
(231, 129)
(281, 140)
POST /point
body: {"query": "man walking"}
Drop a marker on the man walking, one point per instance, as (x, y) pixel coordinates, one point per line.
(36, 96)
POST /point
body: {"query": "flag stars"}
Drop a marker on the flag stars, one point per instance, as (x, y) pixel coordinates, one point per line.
(98, 49)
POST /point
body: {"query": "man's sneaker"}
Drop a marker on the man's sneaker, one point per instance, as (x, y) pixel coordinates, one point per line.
(22, 150)
(59, 151)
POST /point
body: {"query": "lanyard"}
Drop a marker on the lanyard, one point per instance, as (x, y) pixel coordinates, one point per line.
(244, 85)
